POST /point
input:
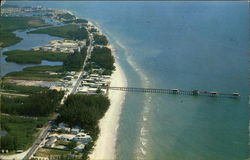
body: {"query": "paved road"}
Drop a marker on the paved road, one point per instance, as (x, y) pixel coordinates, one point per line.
(37, 143)
(45, 131)
(89, 50)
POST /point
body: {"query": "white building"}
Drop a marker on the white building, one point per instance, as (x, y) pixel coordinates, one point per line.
(82, 137)
(83, 89)
(79, 148)
(66, 137)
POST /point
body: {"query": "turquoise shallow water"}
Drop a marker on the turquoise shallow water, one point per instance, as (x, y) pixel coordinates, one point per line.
(186, 45)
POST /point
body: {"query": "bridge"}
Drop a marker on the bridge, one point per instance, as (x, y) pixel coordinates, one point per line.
(176, 91)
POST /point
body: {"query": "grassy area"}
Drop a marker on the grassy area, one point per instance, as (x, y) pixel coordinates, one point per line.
(52, 153)
(33, 57)
(13, 88)
(15, 23)
(22, 131)
(58, 142)
(71, 31)
(9, 39)
(10, 24)
(44, 73)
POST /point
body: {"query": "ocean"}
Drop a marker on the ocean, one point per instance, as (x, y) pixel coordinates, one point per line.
(184, 45)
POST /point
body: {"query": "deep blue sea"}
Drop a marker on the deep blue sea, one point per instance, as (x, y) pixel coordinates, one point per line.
(185, 45)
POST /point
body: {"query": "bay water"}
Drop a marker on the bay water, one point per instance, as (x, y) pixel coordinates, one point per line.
(184, 45)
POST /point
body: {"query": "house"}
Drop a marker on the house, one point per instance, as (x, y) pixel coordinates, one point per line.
(82, 137)
(92, 90)
(51, 141)
(62, 125)
(94, 75)
(75, 130)
(72, 73)
(67, 129)
(83, 89)
(18, 151)
(79, 148)
(68, 78)
(66, 137)
(36, 49)
(106, 76)
(90, 80)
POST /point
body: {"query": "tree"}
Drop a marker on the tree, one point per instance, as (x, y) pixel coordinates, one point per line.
(100, 39)
(71, 145)
(103, 57)
(98, 91)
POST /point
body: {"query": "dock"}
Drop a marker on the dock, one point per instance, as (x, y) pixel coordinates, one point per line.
(177, 91)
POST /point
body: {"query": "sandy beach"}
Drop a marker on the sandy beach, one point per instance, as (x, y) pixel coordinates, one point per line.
(105, 145)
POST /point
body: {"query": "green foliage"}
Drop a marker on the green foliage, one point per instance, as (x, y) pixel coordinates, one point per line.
(38, 73)
(15, 23)
(37, 104)
(98, 91)
(10, 24)
(88, 67)
(87, 150)
(100, 39)
(8, 39)
(92, 30)
(102, 56)
(107, 72)
(85, 111)
(57, 69)
(71, 145)
(42, 104)
(66, 16)
(35, 57)
(74, 62)
(12, 105)
(21, 131)
(22, 89)
(81, 21)
(71, 31)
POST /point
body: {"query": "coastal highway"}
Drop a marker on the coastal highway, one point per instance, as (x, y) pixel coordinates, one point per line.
(78, 80)
(45, 131)
(89, 50)
(38, 141)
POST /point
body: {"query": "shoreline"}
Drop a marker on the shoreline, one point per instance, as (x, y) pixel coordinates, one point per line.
(105, 146)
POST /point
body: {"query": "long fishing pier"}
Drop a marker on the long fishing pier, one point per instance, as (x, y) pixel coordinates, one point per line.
(176, 91)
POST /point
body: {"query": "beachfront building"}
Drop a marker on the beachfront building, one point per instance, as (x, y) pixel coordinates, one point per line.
(66, 137)
(79, 148)
(75, 130)
(83, 138)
